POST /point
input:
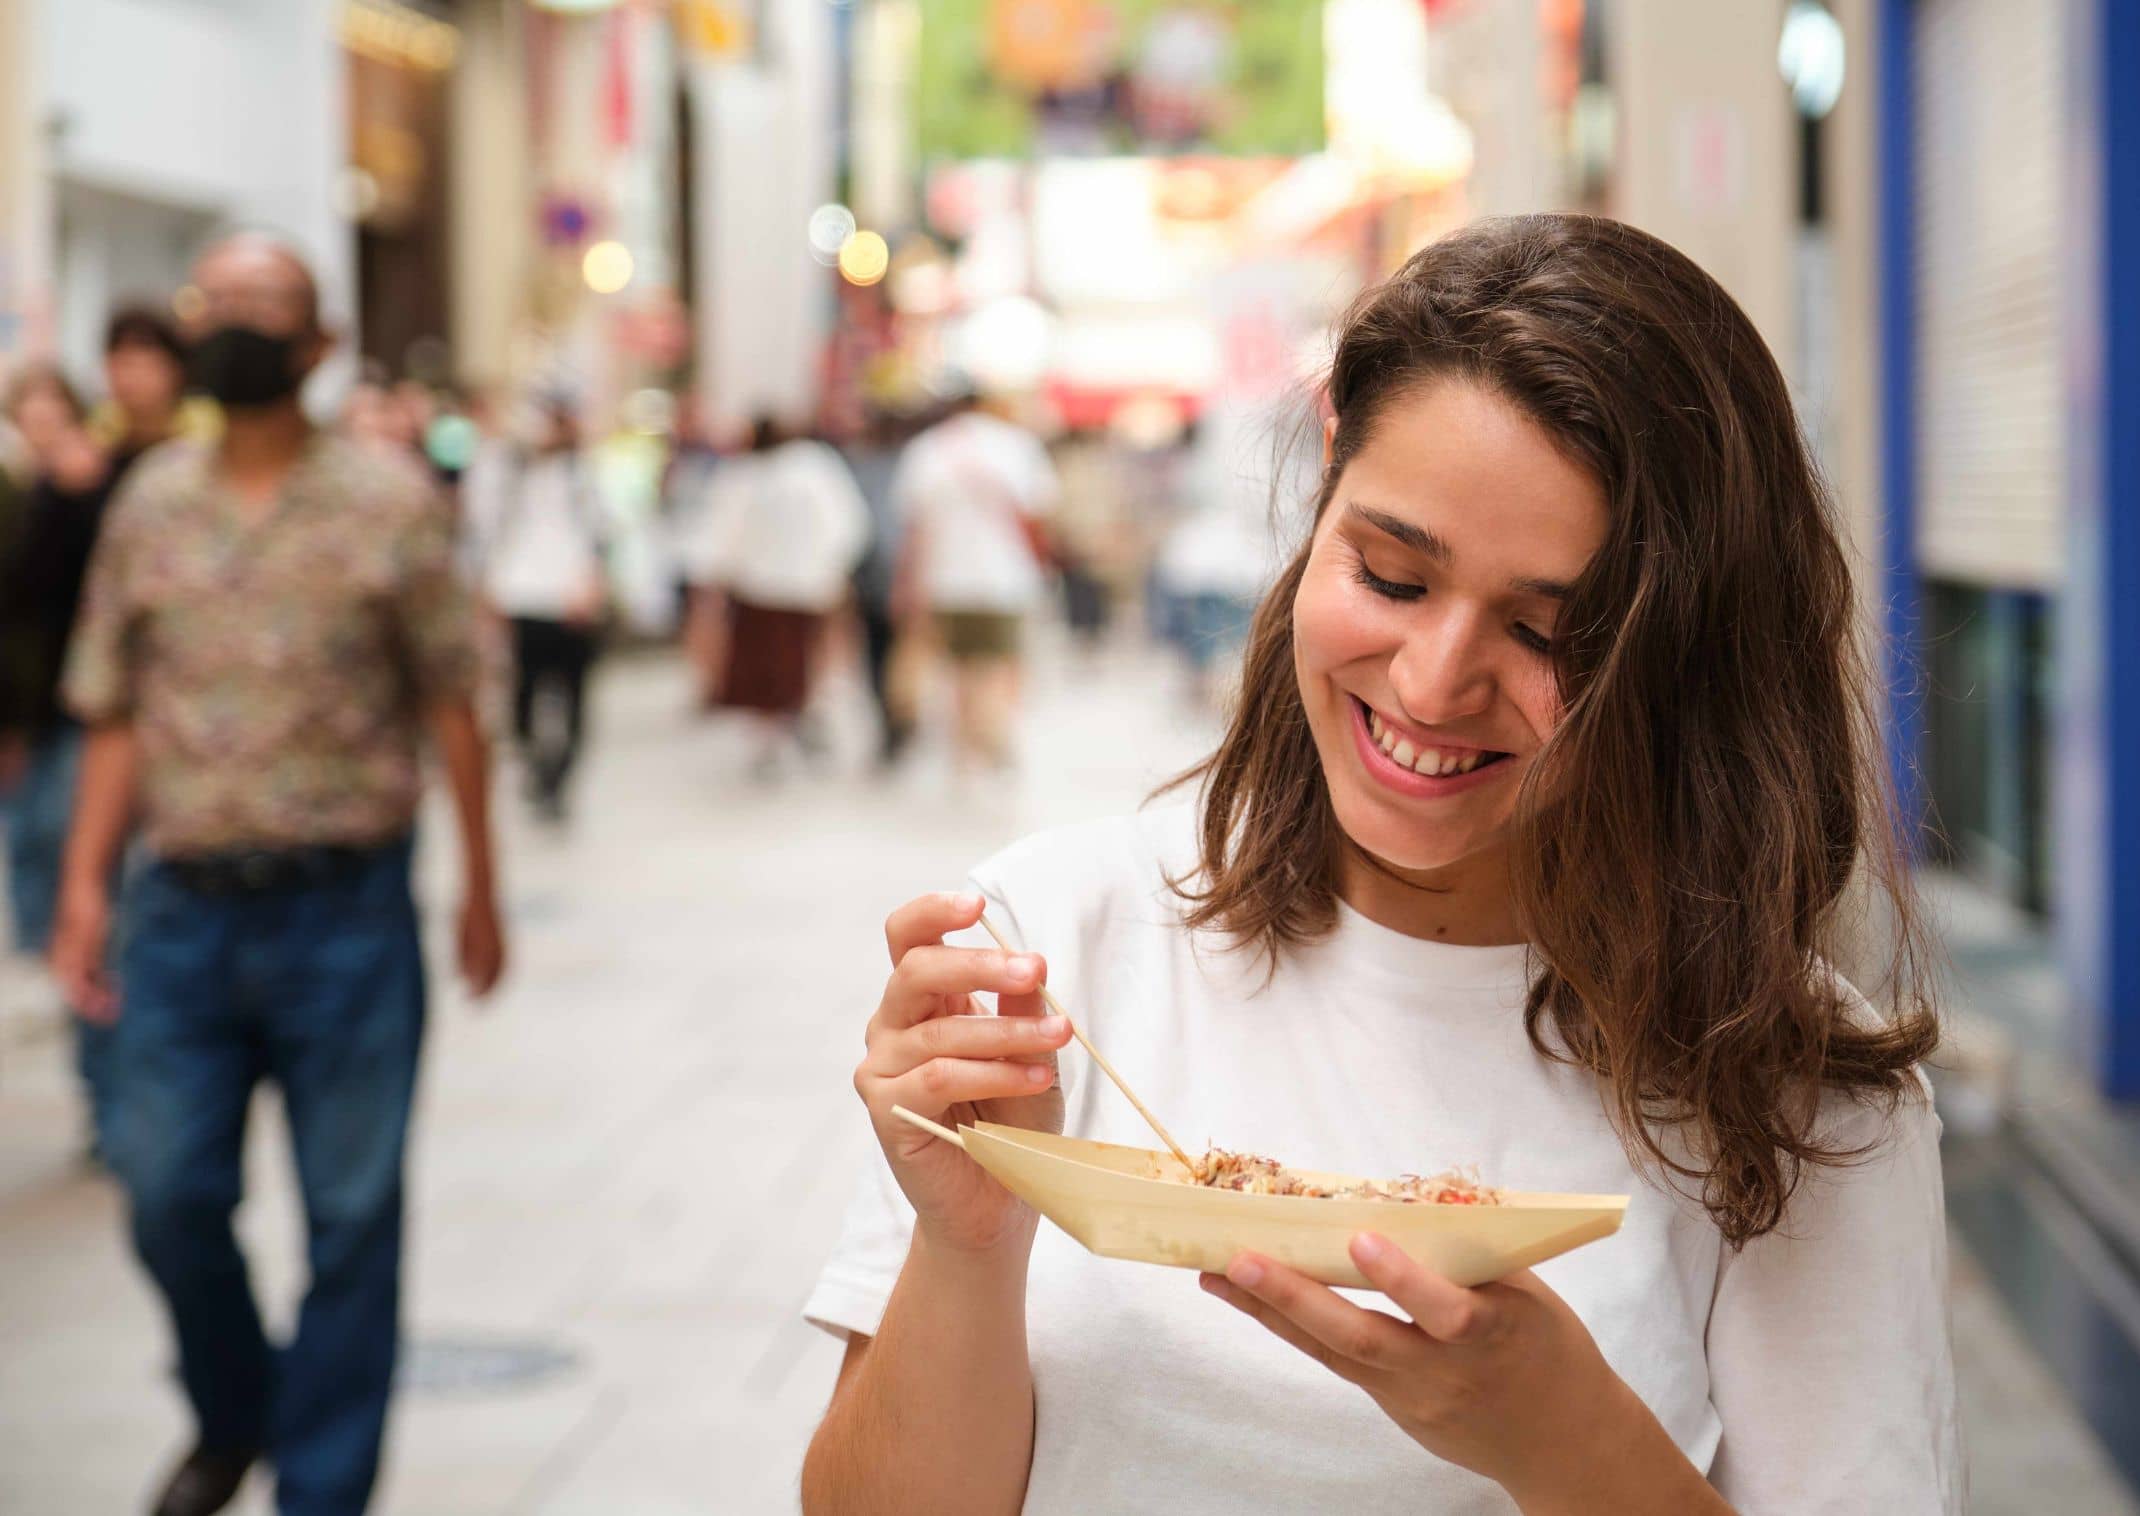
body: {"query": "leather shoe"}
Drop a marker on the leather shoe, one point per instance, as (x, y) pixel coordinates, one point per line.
(205, 1483)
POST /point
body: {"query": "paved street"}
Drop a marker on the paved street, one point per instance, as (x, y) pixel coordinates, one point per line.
(629, 1165)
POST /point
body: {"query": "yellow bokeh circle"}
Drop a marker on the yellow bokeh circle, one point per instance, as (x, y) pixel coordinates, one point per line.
(864, 258)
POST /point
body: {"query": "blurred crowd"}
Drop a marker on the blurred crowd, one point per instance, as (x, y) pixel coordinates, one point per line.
(918, 544)
(228, 625)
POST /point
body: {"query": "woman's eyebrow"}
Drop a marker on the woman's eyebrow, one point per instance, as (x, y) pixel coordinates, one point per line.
(1420, 540)
(1550, 589)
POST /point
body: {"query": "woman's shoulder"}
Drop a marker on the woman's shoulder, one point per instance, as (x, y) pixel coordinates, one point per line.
(1881, 1143)
(1865, 1118)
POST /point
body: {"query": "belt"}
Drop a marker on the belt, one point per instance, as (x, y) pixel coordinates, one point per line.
(269, 871)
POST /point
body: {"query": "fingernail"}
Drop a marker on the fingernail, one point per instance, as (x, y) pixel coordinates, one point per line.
(1052, 1026)
(969, 904)
(1039, 1073)
(1025, 966)
(1368, 1248)
(1245, 1272)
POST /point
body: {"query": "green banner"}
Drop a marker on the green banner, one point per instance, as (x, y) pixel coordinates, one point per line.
(1012, 78)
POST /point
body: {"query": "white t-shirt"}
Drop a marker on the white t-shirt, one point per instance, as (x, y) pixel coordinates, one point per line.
(537, 523)
(963, 485)
(1807, 1374)
(784, 529)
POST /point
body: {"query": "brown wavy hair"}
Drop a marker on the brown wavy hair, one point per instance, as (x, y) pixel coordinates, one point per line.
(1684, 842)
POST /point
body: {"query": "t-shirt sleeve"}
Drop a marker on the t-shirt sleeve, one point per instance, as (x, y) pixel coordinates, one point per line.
(436, 620)
(856, 1283)
(97, 682)
(1829, 1360)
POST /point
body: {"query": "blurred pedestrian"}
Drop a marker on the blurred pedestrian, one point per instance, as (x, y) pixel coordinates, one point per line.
(686, 483)
(62, 514)
(145, 373)
(15, 662)
(974, 493)
(539, 527)
(695, 451)
(874, 458)
(703, 458)
(270, 622)
(783, 534)
(1211, 569)
(374, 416)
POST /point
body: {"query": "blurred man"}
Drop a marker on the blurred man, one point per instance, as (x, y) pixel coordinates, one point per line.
(270, 623)
(874, 458)
(538, 526)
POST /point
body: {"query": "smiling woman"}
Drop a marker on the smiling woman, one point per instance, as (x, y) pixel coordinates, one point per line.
(1526, 847)
(1580, 527)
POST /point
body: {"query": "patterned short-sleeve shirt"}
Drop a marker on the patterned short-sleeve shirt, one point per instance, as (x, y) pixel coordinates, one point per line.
(275, 665)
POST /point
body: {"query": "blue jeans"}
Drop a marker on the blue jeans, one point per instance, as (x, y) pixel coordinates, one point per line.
(321, 990)
(42, 810)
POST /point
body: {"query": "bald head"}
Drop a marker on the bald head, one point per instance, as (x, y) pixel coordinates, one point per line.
(253, 279)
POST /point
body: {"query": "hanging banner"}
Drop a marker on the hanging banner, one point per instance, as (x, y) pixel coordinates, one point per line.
(1008, 78)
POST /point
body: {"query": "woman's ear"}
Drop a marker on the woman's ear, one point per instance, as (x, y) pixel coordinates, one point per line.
(1329, 441)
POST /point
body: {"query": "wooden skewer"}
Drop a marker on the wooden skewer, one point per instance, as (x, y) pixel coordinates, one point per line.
(941, 1133)
(1106, 1068)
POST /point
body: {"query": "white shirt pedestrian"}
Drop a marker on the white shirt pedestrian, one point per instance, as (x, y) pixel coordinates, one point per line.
(536, 523)
(961, 489)
(783, 529)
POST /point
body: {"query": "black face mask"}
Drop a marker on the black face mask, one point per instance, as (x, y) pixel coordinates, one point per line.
(242, 366)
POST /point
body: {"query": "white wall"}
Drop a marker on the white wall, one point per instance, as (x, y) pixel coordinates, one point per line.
(765, 162)
(1707, 152)
(490, 191)
(1488, 61)
(25, 209)
(226, 110)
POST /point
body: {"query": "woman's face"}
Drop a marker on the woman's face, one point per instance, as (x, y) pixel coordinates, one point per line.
(1421, 627)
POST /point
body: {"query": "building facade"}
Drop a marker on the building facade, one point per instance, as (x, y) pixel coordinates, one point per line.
(2010, 223)
(140, 126)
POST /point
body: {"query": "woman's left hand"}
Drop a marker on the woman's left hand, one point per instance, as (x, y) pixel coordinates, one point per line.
(1503, 1379)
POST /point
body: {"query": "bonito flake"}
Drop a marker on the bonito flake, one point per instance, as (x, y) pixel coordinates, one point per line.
(1248, 1174)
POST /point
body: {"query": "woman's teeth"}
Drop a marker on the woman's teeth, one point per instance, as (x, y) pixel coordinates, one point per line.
(1429, 761)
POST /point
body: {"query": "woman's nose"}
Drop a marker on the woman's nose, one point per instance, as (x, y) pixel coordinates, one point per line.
(1441, 672)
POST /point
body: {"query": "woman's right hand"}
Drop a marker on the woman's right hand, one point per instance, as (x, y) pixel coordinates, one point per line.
(932, 1050)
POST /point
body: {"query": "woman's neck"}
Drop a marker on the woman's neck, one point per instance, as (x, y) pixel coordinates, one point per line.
(1467, 904)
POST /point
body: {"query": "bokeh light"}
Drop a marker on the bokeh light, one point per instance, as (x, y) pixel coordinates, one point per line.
(863, 258)
(830, 227)
(607, 267)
